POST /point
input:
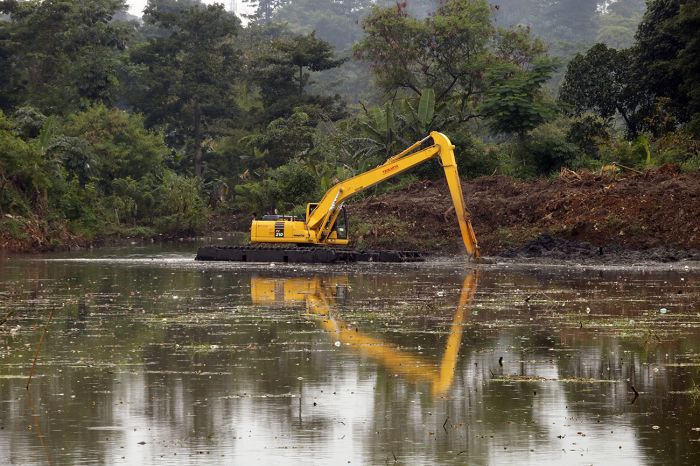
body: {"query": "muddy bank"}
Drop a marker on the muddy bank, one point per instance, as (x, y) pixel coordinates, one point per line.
(33, 235)
(552, 249)
(633, 216)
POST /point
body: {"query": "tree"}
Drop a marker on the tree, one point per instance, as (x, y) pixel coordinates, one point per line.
(448, 52)
(306, 51)
(150, 30)
(689, 60)
(658, 43)
(334, 21)
(22, 173)
(188, 75)
(64, 54)
(599, 81)
(572, 20)
(654, 84)
(119, 144)
(513, 99)
(284, 138)
(445, 52)
(8, 78)
(667, 52)
(282, 67)
(264, 10)
(473, 69)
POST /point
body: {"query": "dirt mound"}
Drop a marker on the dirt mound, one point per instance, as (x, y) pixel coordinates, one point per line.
(632, 211)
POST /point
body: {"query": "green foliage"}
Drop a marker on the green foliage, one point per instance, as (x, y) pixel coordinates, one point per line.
(514, 101)
(654, 84)
(679, 148)
(627, 153)
(599, 82)
(548, 148)
(118, 145)
(180, 206)
(278, 62)
(282, 189)
(65, 54)
(512, 159)
(307, 51)
(450, 70)
(441, 52)
(588, 132)
(426, 108)
(23, 178)
(84, 209)
(28, 122)
(283, 139)
(377, 133)
(473, 157)
(13, 227)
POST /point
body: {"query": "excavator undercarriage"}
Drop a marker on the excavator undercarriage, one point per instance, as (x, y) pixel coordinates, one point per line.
(302, 254)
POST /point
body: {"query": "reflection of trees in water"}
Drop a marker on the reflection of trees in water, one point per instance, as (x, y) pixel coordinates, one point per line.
(640, 362)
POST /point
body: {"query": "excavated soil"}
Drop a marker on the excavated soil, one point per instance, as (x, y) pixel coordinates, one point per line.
(637, 216)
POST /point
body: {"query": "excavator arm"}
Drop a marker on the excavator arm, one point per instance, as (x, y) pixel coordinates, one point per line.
(324, 216)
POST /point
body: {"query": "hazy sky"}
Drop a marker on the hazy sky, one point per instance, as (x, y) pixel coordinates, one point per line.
(136, 6)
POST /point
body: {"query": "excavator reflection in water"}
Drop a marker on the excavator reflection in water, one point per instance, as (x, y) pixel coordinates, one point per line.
(319, 294)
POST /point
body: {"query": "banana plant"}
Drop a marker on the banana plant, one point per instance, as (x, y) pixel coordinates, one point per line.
(378, 126)
(643, 141)
(398, 124)
(426, 109)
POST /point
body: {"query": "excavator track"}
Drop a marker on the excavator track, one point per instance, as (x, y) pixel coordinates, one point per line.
(302, 254)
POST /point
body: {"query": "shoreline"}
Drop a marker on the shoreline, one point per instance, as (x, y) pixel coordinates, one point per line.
(594, 217)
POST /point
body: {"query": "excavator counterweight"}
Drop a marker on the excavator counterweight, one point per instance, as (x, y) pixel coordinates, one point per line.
(323, 232)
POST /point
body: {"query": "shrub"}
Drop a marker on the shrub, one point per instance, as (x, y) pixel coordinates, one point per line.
(628, 153)
(588, 131)
(549, 149)
(181, 208)
(23, 179)
(118, 144)
(679, 148)
(290, 186)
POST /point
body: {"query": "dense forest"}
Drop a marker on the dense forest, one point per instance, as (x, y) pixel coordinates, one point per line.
(113, 125)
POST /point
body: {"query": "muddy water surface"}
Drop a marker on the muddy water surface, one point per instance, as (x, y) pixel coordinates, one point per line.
(152, 358)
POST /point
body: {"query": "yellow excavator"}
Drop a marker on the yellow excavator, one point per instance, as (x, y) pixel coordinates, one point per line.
(326, 221)
(319, 293)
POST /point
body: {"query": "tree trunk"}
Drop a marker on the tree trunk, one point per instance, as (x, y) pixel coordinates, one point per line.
(631, 128)
(301, 83)
(197, 140)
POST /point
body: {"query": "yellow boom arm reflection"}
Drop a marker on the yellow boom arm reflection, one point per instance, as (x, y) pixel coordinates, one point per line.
(319, 293)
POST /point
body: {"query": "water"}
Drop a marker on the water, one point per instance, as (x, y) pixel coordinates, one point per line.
(152, 358)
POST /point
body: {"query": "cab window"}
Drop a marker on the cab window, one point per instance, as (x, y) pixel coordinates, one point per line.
(341, 225)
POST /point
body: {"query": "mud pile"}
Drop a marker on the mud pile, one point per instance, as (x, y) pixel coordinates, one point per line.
(574, 215)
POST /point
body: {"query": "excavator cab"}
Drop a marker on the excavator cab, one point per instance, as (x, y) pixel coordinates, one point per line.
(287, 229)
(339, 230)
